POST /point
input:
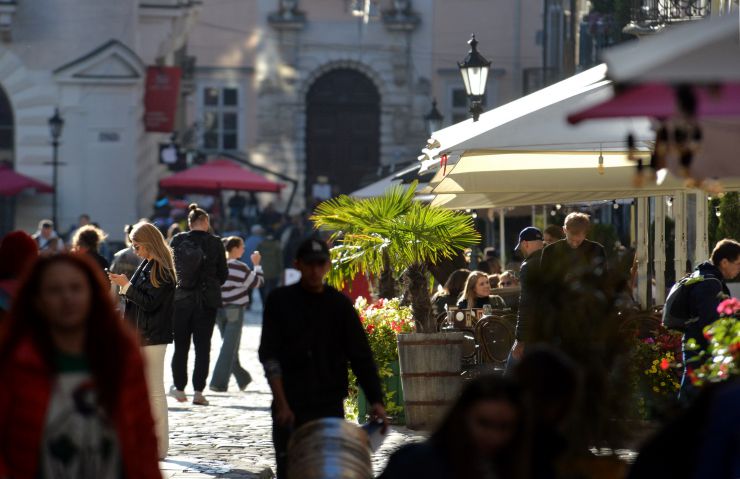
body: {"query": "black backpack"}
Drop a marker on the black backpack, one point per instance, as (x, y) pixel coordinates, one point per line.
(676, 311)
(189, 259)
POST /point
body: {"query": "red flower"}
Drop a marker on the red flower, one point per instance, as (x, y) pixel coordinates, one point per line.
(734, 348)
(707, 335)
(370, 328)
(692, 375)
(665, 364)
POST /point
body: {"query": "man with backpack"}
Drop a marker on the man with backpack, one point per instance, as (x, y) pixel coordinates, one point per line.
(200, 261)
(692, 304)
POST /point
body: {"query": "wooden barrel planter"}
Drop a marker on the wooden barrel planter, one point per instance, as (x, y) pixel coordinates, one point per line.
(430, 375)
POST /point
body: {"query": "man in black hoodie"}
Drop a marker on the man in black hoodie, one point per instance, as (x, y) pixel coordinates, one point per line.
(310, 334)
(704, 297)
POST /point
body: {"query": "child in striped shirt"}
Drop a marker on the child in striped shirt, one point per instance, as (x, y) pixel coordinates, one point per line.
(235, 295)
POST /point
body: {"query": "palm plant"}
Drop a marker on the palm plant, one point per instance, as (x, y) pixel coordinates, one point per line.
(393, 233)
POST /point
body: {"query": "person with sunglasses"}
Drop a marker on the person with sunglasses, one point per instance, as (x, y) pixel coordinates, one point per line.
(149, 297)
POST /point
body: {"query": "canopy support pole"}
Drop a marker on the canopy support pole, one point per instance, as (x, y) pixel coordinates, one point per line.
(502, 238)
(659, 250)
(682, 248)
(643, 238)
(701, 249)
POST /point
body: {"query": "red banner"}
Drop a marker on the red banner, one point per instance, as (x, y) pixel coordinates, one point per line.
(160, 101)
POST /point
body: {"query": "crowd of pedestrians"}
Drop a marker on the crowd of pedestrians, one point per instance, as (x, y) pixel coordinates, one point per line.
(82, 407)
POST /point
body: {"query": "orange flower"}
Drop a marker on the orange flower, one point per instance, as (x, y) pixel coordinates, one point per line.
(664, 364)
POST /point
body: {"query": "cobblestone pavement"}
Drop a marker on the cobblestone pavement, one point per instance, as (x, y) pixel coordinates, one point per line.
(231, 438)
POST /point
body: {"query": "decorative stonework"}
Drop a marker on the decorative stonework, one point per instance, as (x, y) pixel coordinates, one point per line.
(7, 16)
(288, 17)
(401, 18)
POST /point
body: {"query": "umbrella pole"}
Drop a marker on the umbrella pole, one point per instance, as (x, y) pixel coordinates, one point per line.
(659, 249)
(643, 239)
(679, 216)
(701, 249)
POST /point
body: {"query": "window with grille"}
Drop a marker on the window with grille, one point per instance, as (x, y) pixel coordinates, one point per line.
(220, 118)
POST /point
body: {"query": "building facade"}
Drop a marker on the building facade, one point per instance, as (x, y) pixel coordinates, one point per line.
(306, 88)
(87, 58)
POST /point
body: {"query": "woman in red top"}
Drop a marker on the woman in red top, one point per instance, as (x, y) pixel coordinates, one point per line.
(75, 401)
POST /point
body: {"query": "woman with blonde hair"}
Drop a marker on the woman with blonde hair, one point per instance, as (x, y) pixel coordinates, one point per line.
(477, 293)
(149, 299)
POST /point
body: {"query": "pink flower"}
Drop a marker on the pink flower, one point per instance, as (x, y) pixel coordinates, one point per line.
(729, 307)
(648, 341)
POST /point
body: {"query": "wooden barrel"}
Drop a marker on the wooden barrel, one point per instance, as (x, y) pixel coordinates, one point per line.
(430, 375)
(329, 448)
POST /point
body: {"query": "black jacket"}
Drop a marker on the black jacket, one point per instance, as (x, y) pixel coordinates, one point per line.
(314, 337)
(214, 271)
(150, 309)
(527, 294)
(561, 262)
(704, 297)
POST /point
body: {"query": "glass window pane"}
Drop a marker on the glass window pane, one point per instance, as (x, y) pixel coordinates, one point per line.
(458, 117)
(210, 121)
(459, 98)
(230, 121)
(210, 141)
(231, 97)
(210, 96)
(230, 142)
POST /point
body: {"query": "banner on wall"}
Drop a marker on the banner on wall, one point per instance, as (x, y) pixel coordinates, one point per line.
(160, 100)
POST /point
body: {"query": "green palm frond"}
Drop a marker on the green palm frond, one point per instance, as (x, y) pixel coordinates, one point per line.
(391, 226)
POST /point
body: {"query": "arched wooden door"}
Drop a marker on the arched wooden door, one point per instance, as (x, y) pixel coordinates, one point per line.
(342, 132)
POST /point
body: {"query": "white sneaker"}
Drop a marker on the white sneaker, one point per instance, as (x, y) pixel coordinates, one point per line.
(199, 399)
(177, 394)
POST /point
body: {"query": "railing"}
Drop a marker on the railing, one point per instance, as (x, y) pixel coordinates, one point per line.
(650, 16)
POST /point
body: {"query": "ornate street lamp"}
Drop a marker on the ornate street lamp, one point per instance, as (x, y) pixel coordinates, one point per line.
(474, 70)
(56, 124)
(433, 119)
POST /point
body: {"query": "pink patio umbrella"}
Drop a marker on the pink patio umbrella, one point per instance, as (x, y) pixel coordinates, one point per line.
(13, 183)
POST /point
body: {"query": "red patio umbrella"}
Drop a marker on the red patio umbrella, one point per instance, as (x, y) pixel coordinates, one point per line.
(218, 175)
(13, 183)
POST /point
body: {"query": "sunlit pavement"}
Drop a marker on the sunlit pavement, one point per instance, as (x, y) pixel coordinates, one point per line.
(231, 438)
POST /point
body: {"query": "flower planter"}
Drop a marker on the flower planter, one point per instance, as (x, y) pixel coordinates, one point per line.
(430, 366)
(390, 385)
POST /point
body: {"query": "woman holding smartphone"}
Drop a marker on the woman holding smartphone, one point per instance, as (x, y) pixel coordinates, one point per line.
(149, 299)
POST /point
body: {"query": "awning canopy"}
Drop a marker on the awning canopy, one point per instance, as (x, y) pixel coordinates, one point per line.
(218, 175)
(491, 179)
(658, 100)
(702, 51)
(538, 122)
(13, 183)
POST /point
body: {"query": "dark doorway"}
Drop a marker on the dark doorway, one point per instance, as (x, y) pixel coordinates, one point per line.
(342, 133)
(7, 157)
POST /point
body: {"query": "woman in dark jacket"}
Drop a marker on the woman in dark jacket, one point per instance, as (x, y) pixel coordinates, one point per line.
(477, 293)
(150, 296)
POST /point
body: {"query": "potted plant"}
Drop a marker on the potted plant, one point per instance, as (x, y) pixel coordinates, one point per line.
(395, 233)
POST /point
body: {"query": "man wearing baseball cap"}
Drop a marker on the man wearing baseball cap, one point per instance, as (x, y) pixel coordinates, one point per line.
(530, 245)
(310, 334)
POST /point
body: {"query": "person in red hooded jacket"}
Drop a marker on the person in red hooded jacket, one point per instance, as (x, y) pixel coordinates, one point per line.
(74, 401)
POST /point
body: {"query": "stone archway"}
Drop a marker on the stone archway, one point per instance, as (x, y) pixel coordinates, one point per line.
(342, 131)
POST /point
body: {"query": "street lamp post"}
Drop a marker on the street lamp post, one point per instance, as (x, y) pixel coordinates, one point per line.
(474, 70)
(433, 119)
(56, 124)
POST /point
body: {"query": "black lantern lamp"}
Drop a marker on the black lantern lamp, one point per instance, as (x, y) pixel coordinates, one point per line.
(56, 124)
(433, 119)
(474, 70)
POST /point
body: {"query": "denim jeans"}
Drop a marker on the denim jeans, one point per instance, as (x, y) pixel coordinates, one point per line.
(229, 321)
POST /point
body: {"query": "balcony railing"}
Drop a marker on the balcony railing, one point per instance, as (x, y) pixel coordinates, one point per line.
(651, 16)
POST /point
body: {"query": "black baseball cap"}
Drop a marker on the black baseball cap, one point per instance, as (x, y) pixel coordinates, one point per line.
(313, 251)
(529, 233)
